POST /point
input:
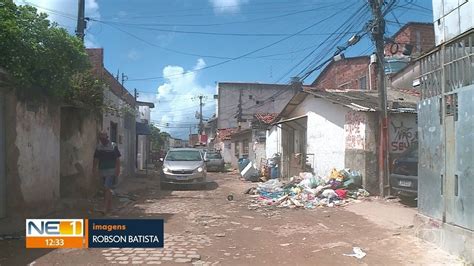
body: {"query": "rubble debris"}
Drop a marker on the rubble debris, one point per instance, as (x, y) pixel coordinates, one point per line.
(358, 253)
(309, 191)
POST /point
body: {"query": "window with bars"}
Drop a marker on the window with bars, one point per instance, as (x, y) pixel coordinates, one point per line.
(456, 59)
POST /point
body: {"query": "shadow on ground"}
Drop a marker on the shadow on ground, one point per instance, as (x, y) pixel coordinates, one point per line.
(409, 202)
(185, 187)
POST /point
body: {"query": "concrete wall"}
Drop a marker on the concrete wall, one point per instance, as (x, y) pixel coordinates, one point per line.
(325, 135)
(451, 18)
(273, 141)
(32, 162)
(227, 152)
(258, 153)
(361, 131)
(339, 138)
(251, 93)
(403, 132)
(238, 143)
(404, 79)
(3, 178)
(126, 139)
(79, 131)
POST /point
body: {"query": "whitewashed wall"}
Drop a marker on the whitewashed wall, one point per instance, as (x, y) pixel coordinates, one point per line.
(325, 133)
(37, 142)
(273, 141)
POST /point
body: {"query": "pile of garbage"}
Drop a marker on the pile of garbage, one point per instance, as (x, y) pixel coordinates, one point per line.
(309, 191)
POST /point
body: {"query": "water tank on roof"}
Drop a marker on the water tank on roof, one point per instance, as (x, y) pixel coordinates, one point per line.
(373, 58)
(394, 65)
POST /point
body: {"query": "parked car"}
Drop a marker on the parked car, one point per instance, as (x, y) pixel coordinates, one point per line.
(214, 161)
(184, 166)
(404, 176)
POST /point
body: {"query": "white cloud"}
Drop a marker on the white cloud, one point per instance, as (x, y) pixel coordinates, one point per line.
(90, 41)
(227, 6)
(175, 101)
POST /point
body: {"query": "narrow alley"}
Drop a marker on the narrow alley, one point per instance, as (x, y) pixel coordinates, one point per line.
(207, 227)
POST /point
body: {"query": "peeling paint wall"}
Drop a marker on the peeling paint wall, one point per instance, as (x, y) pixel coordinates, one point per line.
(33, 162)
(354, 130)
(79, 131)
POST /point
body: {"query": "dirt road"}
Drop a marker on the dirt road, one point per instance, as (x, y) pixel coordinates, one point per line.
(203, 227)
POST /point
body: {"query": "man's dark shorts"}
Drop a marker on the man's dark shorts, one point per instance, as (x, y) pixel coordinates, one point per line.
(109, 181)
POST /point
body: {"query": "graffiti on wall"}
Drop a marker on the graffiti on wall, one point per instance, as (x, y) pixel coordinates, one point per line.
(402, 135)
(354, 130)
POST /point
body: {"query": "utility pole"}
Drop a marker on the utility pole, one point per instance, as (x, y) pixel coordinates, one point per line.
(124, 78)
(201, 125)
(239, 106)
(81, 21)
(378, 31)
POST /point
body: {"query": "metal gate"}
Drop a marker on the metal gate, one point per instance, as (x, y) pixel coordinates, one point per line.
(3, 183)
(446, 130)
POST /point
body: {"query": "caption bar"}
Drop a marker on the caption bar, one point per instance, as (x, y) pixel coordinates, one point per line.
(94, 233)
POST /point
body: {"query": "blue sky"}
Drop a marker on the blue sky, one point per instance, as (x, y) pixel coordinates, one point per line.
(155, 41)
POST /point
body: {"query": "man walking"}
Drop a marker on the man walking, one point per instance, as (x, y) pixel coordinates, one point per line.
(107, 164)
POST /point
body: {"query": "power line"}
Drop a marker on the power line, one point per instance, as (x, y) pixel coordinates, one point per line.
(321, 44)
(219, 33)
(349, 25)
(241, 56)
(227, 23)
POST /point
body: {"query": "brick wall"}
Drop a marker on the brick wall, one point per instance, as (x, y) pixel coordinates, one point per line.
(419, 35)
(96, 57)
(346, 74)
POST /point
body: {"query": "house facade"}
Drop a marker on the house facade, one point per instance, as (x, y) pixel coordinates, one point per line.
(237, 105)
(352, 73)
(143, 134)
(119, 117)
(321, 130)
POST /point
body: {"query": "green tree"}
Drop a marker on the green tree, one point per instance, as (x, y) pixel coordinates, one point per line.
(86, 91)
(155, 138)
(40, 57)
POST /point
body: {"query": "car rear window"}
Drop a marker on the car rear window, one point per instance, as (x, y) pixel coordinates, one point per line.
(184, 156)
(213, 156)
